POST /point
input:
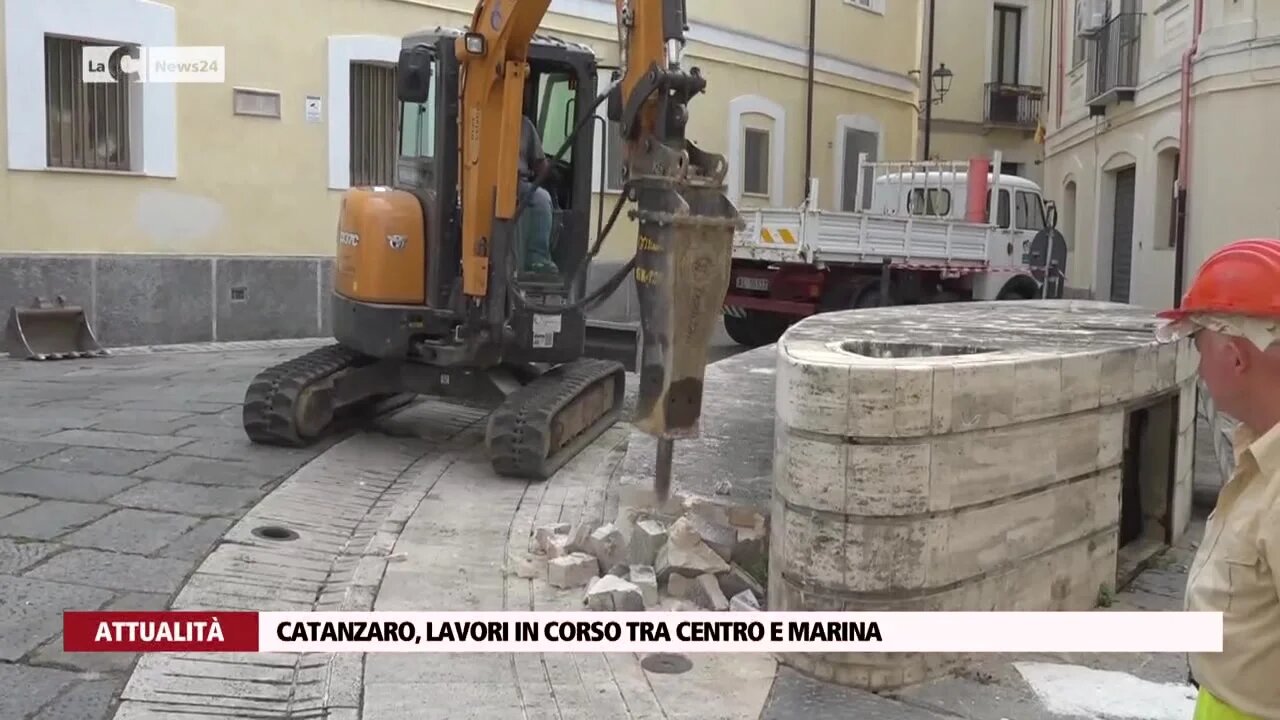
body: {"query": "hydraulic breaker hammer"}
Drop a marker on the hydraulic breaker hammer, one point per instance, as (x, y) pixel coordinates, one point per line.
(686, 223)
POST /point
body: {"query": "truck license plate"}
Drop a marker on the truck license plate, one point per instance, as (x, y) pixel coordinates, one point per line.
(751, 283)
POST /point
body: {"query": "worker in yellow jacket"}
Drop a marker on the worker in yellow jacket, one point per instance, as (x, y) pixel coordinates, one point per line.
(1233, 312)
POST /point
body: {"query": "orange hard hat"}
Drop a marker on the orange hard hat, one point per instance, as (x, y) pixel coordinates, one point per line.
(1242, 278)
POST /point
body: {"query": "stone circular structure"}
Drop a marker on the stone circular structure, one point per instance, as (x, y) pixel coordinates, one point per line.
(971, 456)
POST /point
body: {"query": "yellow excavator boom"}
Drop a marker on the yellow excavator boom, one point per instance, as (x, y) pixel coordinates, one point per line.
(686, 223)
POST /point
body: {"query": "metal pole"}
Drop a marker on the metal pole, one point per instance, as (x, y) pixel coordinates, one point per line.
(808, 127)
(927, 78)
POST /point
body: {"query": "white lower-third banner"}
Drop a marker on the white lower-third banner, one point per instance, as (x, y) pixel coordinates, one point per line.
(767, 632)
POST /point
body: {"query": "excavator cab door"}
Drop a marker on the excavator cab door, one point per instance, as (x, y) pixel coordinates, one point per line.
(560, 88)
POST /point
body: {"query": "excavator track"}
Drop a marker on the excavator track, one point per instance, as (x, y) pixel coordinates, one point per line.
(288, 404)
(544, 424)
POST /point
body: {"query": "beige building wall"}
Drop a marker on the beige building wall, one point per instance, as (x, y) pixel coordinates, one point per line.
(225, 229)
(1138, 141)
(998, 53)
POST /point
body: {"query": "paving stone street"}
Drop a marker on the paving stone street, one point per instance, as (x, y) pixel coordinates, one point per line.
(117, 476)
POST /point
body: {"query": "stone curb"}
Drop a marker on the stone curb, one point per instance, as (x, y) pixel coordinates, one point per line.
(211, 347)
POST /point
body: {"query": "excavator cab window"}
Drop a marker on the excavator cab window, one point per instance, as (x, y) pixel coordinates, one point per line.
(418, 126)
(556, 115)
(418, 129)
(551, 102)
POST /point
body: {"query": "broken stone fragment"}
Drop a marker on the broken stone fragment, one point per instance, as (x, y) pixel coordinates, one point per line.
(705, 591)
(643, 577)
(580, 537)
(646, 540)
(679, 586)
(682, 534)
(645, 499)
(744, 601)
(710, 509)
(745, 516)
(557, 546)
(543, 535)
(724, 487)
(670, 604)
(690, 558)
(572, 570)
(531, 567)
(607, 545)
(737, 581)
(614, 593)
(752, 547)
(626, 522)
(719, 537)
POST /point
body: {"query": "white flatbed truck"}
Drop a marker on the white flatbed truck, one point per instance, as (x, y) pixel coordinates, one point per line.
(924, 236)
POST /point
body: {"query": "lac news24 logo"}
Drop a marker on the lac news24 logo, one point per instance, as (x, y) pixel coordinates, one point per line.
(186, 64)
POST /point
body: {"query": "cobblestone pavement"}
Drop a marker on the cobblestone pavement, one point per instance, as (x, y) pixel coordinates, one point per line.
(117, 475)
(117, 478)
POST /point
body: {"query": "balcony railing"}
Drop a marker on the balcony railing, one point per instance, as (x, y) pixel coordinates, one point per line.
(1013, 105)
(1113, 61)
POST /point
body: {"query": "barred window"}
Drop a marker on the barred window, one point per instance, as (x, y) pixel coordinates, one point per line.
(375, 123)
(755, 179)
(87, 123)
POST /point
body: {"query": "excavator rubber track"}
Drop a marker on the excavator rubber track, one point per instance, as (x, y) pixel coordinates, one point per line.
(546, 423)
(271, 403)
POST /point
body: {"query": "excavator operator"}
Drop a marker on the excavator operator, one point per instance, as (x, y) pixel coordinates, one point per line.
(536, 221)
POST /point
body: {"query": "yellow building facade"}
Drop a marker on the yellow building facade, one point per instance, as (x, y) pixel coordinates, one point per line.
(1160, 102)
(998, 54)
(195, 212)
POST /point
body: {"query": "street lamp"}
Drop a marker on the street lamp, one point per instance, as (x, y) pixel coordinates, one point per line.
(940, 85)
(942, 81)
(937, 89)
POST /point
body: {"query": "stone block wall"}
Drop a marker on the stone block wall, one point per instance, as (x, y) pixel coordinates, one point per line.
(140, 299)
(964, 457)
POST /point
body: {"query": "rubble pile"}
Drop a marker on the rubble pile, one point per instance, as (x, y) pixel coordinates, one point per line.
(688, 554)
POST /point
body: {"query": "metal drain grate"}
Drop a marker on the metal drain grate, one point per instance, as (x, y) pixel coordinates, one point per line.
(667, 664)
(275, 532)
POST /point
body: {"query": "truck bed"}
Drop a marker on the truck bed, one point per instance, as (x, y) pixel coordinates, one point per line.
(827, 237)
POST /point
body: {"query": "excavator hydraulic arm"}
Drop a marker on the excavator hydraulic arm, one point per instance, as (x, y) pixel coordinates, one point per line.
(686, 222)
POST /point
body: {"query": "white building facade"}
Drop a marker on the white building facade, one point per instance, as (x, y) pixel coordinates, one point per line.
(1160, 144)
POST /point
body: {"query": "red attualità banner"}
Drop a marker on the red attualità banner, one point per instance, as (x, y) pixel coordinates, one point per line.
(173, 631)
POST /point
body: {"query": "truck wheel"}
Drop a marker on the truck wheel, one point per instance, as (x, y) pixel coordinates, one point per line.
(756, 329)
(852, 294)
(1018, 289)
(869, 297)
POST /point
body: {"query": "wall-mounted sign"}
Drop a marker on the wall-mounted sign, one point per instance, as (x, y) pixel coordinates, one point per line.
(313, 109)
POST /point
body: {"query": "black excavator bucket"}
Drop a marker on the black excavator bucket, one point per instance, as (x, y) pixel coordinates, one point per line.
(51, 331)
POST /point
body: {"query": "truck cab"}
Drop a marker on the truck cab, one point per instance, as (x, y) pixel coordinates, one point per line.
(943, 195)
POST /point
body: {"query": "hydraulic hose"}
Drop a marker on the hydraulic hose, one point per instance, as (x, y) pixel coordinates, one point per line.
(594, 297)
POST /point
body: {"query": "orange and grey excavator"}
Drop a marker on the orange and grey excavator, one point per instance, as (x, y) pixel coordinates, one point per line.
(430, 294)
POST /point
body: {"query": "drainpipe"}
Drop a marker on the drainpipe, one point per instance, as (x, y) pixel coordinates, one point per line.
(1184, 157)
(1062, 55)
(1048, 59)
(808, 123)
(927, 78)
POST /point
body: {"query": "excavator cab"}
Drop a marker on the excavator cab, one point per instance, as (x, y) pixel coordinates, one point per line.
(426, 253)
